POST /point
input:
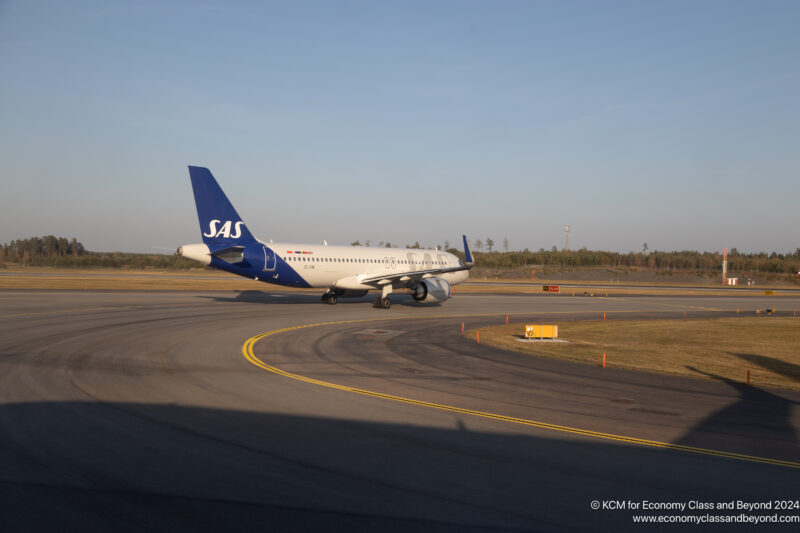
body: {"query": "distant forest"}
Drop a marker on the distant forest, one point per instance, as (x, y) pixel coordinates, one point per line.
(61, 252)
(661, 261)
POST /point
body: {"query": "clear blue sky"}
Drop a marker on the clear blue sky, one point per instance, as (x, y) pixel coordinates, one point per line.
(675, 123)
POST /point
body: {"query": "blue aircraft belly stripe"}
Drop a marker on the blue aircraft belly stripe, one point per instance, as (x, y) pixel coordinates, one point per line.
(286, 275)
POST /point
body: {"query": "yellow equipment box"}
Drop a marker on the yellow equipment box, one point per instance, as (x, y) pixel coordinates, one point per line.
(538, 331)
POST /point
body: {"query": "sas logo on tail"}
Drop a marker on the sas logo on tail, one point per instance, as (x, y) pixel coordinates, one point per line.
(224, 230)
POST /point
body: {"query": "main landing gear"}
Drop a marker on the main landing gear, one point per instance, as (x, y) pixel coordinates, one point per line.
(382, 302)
(329, 298)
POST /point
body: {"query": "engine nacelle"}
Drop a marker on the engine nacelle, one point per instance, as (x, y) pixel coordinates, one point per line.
(431, 290)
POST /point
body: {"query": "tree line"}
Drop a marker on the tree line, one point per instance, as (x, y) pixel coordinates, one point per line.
(674, 261)
(22, 250)
(685, 260)
(59, 251)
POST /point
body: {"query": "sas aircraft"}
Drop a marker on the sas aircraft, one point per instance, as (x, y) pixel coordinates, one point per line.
(345, 271)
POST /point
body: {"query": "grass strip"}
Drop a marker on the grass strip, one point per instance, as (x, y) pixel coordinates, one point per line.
(722, 349)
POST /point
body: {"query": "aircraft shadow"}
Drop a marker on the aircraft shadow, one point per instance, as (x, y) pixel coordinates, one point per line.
(89, 466)
(784, 368)
(306, 298)
(759, 415)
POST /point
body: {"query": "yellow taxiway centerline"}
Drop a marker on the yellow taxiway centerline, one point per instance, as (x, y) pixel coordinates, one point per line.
(249, 354)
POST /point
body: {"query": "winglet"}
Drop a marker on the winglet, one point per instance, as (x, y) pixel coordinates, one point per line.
(467, 253)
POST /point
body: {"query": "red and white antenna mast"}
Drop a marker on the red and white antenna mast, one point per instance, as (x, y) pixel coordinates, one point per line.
(725, 267)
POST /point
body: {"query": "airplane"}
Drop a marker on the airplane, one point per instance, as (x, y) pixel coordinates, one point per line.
(345, 271)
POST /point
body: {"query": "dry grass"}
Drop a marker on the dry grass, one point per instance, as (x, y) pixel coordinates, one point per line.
(206, 279)
(581, 292)
(718, 348)
(130, 280)
(609, 291)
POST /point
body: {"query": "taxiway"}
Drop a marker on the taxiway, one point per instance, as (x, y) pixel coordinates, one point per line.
(139, 410)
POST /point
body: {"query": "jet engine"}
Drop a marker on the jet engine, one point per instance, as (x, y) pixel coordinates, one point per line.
(431, 290)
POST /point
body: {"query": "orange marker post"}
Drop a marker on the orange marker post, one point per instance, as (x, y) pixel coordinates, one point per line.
(478, 337)
(604, 359)
(462, 327)
(604, 315)
(506, 320)
(748, 377)
(684, 315)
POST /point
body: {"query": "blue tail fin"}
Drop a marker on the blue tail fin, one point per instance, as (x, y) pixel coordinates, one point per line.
(219, 221)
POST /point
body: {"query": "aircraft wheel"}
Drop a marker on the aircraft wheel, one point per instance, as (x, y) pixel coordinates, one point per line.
(386, 303)
(324, 298)
(377, 303)
(332, 299)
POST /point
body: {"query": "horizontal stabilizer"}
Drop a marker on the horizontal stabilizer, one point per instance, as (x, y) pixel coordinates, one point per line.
(230, 254)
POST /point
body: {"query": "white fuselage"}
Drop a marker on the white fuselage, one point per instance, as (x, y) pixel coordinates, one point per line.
(344, 266)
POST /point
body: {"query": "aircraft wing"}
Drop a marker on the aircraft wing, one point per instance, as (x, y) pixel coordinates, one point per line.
(377, 280)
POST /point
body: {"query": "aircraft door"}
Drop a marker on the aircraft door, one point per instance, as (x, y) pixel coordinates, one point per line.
(269, 259)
